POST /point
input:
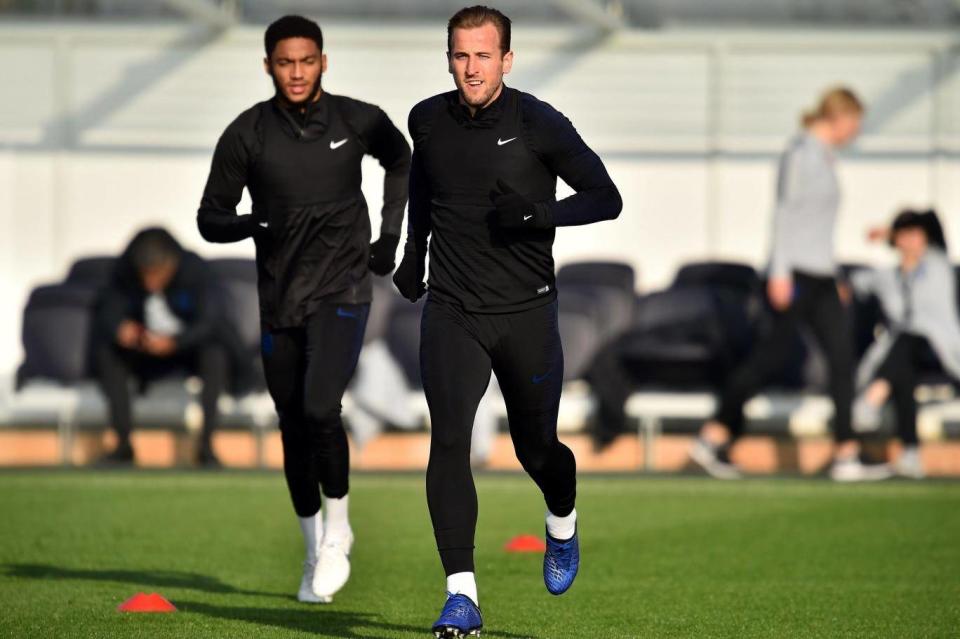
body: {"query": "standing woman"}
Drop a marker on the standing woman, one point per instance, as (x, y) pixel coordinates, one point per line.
(802, 289)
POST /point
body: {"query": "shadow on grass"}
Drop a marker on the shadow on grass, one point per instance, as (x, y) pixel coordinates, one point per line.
(146, 578)
(319, 620)
(315, 619)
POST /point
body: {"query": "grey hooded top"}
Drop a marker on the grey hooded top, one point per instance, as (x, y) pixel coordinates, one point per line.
(808, 197)
(922, 302)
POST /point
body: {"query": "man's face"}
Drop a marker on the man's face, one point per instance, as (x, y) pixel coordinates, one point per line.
(155, 279)
(296, 66)
(477, 64)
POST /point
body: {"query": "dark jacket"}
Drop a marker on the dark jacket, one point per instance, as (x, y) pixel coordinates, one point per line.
(310, 221)
(191, 296)
(458, 161)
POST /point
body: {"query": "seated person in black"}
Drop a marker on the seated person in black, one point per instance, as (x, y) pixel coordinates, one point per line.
(156, 317)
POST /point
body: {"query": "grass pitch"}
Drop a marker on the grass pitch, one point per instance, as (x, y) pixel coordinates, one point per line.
(677, 557)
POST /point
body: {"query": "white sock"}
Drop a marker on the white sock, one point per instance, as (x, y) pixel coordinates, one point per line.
(463, 583)
(336, 525)
(312, 529)
(562, 528)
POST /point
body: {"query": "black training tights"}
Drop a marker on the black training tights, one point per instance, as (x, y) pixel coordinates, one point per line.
(307, 371)
(458, 350)
(116, 366)
(816, 304)
(900, 368)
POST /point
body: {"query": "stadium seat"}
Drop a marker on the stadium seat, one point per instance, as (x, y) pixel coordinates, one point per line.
(616, 275)
(403, 339)
(580, 339)
(92, 272)
(610, 309)
(730, 276)
(236, 280)
(385, 296)
(57, 326)
(680, 337)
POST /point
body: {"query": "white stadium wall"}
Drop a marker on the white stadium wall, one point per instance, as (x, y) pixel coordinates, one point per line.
(105, 129)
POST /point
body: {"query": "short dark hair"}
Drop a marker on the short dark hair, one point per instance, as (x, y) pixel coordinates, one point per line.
(152, 247)
(927, 221)
(291, 27)
(477, 16)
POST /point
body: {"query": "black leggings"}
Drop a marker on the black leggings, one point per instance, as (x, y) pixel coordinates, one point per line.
(307, 371)
(458, 350)
(116, 366)
(816, 304)
(899, 369)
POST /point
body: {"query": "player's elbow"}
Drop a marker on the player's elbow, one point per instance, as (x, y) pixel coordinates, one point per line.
(205, 228)
(209, 229)
(614, 203)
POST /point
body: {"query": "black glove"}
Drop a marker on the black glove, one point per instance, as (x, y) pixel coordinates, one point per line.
(514, 211)
(259, 228)
(383, 254)
(409, 276)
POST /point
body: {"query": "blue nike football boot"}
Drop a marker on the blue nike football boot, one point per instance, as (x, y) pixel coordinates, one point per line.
(560, 563)
(460, 617)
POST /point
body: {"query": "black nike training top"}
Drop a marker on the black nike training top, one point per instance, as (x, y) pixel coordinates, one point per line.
(309, 221)
(457, 161)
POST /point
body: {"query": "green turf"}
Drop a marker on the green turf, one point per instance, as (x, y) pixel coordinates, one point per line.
(661, 558)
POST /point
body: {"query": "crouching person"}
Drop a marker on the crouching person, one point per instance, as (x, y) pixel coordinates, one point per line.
(919, 299)
(157, 317)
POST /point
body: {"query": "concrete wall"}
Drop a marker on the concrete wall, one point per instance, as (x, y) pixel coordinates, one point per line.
(107, 128)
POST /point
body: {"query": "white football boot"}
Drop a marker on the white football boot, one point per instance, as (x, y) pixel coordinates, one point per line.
(333, 566)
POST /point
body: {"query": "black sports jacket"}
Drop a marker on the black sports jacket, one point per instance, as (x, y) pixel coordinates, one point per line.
(457, 163)
(309, 221)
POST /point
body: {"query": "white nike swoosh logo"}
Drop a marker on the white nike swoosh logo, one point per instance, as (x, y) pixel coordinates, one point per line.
(263, 224)
(526, 217)
(337, 145)
(502, 142)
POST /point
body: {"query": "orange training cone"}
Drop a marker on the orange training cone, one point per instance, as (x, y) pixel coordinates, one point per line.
(142, 602)
(526, 543)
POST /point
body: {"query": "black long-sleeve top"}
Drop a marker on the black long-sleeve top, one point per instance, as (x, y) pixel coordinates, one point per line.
(309, 220)
(458, 160)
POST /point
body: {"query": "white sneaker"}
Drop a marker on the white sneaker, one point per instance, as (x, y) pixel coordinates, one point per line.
(333, 566)
(306, 594)
(852, 469)
(909, 463)
(717, 466)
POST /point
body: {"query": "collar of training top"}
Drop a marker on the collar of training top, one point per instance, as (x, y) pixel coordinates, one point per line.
(309, 124)
(484, 118)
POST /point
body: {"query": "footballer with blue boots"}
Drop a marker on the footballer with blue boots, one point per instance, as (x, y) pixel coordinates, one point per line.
(483, 199)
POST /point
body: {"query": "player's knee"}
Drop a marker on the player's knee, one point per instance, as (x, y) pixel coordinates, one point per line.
(534, 453)
(293, 435)
(450, 441)
(323, 416)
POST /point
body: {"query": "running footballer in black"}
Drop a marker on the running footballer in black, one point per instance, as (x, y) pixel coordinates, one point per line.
(483, 201)
(299, 155)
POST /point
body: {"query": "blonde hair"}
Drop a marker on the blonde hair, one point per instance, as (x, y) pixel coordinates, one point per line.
(832, 103)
